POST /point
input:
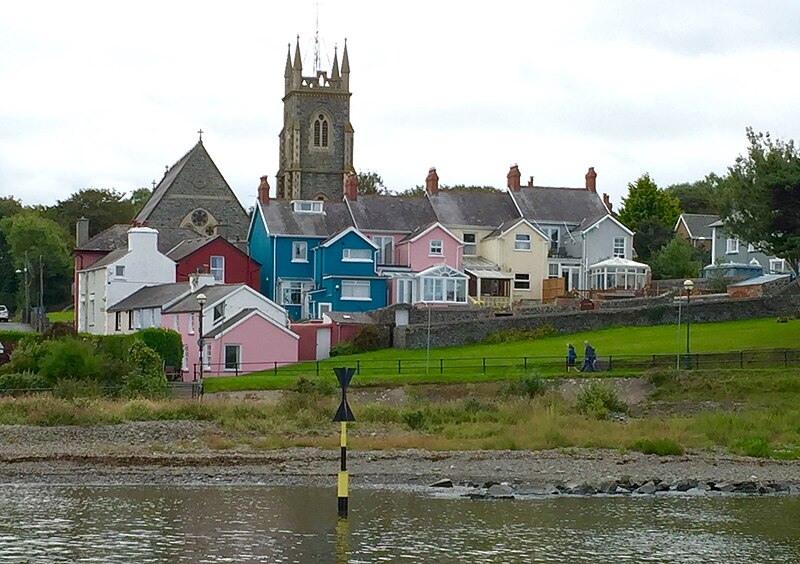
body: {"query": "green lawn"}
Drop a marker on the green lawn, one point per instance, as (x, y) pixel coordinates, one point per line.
(63, 316)
(481, 362)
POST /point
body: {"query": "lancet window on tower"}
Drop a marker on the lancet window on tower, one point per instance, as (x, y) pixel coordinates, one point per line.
(321, 131)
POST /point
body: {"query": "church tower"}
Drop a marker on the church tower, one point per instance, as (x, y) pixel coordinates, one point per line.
(316, 143)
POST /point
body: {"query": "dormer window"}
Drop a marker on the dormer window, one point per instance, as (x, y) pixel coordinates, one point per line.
(321, 131)
(307, 206)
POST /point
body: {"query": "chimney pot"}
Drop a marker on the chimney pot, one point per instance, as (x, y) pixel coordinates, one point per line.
(432, 182)
(530, 182)
(512, 178)
(263, 191)
(351, 186)
(591, 180)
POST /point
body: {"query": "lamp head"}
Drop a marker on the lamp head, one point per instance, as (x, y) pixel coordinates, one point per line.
(688, 285)
(201, 299)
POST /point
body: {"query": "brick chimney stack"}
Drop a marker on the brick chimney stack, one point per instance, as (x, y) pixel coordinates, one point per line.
(432, 182)
(607, 202)
(263, 191)
(591, 180)
(530, 182)
(512, 178)
(351, 186)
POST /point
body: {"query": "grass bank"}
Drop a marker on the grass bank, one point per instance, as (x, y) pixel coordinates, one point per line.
(486, 362)
(754, 414)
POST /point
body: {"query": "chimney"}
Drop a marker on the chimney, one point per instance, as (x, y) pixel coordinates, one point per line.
(263, 191)
(607, 202)
(81, 232)
(432, 182)
(351, 186)
(512, 178)
(591, 180)
(142, 239)
(530, 182)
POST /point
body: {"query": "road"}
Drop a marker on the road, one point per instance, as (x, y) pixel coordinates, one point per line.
(14, 326)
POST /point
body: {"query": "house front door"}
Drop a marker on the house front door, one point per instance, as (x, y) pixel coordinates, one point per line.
(323, 343)
(573, 277)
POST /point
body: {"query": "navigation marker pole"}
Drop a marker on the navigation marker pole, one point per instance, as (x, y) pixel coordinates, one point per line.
(343, 414)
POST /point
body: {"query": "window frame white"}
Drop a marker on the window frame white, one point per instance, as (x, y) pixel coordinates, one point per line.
(522, 242)
(119, 271)
(218, 269)
(350, 254)
(238, 364)
(553, 237)
(732, 246)
(302, 287)
(312, 206)
(553, 270)
(470, 248)
(351, 294)
(385, 243)
(522, 281)
(778, 261)
(435, 248)
(618, 248)
(299, 251)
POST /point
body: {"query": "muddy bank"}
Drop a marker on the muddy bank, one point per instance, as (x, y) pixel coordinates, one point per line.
(173, 452)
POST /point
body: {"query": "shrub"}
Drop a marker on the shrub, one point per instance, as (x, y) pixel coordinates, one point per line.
(368, 338)
(530, 386)
(72, 359)
(599, 400)
(304, 386)
(147, 379)
(514, 335)
(23, 381)
(343, 349)
(27, 355)
(71, 389)
(661, 447)
(415, 419)
(166, 342)
(758, 447)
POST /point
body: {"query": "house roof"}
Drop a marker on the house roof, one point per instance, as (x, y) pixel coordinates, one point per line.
(230, 322)
(507, 226)
(116, 237)
(588, 223)
(483, 268)
(349, 318)
(698, 225)
(760, 280)
(151, 296)
(214, 293)
(110, 258)
(400, 214)
(423, 229)
(547, 204)
(466, 208)
(280, 218)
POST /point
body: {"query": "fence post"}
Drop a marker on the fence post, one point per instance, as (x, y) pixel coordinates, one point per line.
(741, 359)
(785, 358)
(484, 365)
(399, 366)
(317, 368)
(275, 368)
(609, 363)
(525, 363)
(441, 366)
(358, 367)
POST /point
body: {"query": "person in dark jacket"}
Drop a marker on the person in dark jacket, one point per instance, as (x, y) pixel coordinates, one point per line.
(589, 358)
(572, 356)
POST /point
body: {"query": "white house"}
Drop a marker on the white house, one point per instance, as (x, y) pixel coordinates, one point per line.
(118, 275)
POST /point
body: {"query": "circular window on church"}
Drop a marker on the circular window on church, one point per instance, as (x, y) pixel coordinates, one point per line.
(211, 230)
(199, 218)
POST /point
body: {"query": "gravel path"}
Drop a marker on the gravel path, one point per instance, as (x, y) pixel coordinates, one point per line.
(172, 452)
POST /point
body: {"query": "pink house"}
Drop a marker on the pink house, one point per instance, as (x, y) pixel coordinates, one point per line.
(243, 331)
(429, 268)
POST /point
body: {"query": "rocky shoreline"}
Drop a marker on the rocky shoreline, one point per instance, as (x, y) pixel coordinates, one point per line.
(172, 453)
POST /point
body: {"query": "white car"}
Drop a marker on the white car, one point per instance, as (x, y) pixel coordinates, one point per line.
(3, 313)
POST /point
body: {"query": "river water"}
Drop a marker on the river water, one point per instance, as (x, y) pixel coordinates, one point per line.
(197, 524)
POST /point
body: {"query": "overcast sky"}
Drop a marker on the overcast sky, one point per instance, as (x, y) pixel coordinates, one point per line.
(106, 94)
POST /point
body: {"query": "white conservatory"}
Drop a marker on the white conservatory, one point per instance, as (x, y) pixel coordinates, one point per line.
(618, 274)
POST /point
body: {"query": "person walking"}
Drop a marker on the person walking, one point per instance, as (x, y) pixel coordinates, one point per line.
(572, 356)
(589, 358)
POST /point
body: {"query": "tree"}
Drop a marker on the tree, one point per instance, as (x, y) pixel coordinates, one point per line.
(650, 237)
(370, 183)
(28, 232)
(676, 259)
(9, 206)
(646, 201)
(760, 197)
(417, 190)
(139, 198)
(102, 207)
(700, 196)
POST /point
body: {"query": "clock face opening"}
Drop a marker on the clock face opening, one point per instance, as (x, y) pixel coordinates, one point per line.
(199, 218)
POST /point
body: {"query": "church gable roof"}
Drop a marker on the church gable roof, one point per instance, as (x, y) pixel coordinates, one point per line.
(194, 182)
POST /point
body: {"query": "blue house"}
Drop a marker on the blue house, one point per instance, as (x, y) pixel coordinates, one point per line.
(346, 274)
(284, 235)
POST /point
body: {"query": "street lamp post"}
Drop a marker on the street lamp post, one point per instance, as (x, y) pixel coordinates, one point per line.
(201, 299)
(688, 285)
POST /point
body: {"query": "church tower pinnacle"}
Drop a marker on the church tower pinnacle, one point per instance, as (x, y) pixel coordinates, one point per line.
(316, 142)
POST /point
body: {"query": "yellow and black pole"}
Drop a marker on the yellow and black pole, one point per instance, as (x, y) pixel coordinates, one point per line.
(343, 414)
